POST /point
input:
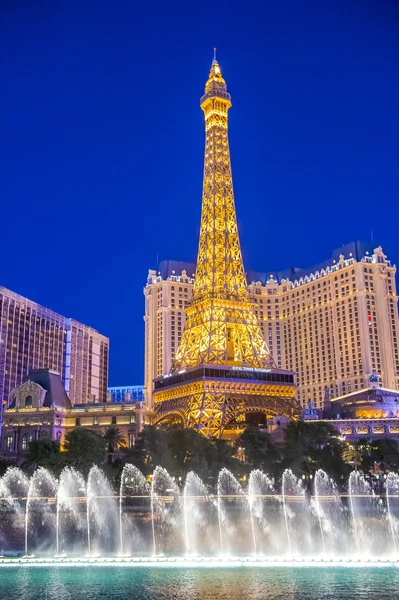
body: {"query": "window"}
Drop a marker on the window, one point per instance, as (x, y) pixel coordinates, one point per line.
(26, 440)
(132, 440)
(77, 421)
(95, 420)
(28, 402)
(9, 442)
(113, 420)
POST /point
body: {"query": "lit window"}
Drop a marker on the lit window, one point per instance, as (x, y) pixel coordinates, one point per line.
(26, 440)
(9, 443)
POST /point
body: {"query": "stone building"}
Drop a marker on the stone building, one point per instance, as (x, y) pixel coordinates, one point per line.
(369, 413)
(40, 408)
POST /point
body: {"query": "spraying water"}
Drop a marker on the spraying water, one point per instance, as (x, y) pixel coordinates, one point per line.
(292, 493)
(163, 486)
(260, 486)
(194, 491)
(42, 488)
(51, 515)
(228, 490)
(362, 503)
(71, 489)
(133, 484)
(392, 495)
(14, 487)
(102, 511)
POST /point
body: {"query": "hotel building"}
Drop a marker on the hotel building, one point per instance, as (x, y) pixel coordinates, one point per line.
(333, 324)
(35, 337)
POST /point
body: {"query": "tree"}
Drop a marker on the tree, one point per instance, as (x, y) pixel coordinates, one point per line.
(259, 450)
(43, 453)
(186, 449)
(83, 448)
(312, 446)
(352, 455)
(385, 452)
(114, 439)
(4, 465)
(358, 455)
(182, 450)
(151, 449)
(218, 454)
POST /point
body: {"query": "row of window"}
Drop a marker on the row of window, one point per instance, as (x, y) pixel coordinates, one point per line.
(114, 420)
(25, 442)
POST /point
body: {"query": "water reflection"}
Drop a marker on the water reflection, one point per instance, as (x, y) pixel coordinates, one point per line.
(199, 584)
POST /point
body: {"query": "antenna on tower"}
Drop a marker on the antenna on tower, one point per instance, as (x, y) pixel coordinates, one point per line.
(214, 54)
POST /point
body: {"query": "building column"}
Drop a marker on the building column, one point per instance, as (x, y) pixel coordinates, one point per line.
(384, 329)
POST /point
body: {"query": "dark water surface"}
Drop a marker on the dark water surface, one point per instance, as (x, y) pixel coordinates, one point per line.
(124, 583)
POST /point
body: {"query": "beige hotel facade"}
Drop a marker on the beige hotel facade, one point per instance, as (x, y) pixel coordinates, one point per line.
(333, 324)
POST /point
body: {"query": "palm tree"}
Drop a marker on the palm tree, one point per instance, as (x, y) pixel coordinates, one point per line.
(114, 438)
(357, 453)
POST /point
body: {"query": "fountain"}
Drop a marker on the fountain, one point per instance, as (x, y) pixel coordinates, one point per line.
(70, 495)
(257, 522)
(230, 502)
(365, 508)
(264, 506)
(296, 514)
(41, 495)
(392, 492)
(165, 509)
(102, 513)
(330, 514)
(195, 512)
(134, 487)
(14, 487)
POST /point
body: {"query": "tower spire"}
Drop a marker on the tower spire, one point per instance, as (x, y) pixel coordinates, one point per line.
(221, 325)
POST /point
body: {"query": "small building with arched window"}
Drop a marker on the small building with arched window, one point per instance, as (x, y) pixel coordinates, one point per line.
(40, 408)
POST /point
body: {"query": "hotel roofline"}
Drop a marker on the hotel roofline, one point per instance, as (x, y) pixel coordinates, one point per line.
(349, 253)
(24, 300)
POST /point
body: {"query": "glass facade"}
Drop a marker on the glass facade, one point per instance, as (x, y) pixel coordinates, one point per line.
(242, 374)
(128, 393)
(35, 337)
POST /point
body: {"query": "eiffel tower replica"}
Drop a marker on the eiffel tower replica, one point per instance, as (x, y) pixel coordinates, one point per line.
(223, 369)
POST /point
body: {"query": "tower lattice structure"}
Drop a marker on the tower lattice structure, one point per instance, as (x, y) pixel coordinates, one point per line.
(223, 369)
(221, 326)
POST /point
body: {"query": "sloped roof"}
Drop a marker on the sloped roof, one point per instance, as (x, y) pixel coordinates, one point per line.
(50, 381)
(356, 250)
(368, 395)
(167, 268)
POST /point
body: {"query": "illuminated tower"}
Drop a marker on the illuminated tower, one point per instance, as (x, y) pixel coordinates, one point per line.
(221, 325)
(222, 369)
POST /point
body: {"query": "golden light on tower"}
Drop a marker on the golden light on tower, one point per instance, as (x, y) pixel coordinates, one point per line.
(222, 330)
(221, 326)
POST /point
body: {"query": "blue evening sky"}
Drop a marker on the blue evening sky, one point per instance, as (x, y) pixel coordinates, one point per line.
(101, 142)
